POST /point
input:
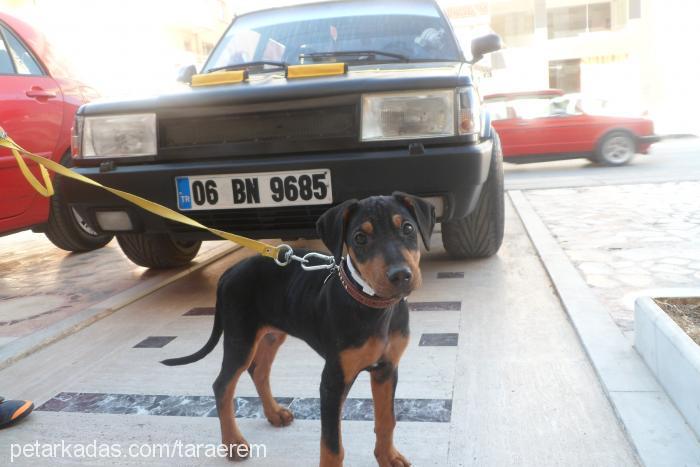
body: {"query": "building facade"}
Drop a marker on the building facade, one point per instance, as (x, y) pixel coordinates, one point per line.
(128, 47)
(627, 51)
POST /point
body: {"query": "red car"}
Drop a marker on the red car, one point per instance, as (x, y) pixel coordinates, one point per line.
(550, 125)
(38, 101)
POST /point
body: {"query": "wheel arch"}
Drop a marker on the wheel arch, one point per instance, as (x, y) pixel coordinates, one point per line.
(486, 128)
(608, 132)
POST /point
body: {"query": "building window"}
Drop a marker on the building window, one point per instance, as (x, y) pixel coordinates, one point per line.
(635, 9)
(599, 16)
(187, 44)
(565, 75)
(514, 28)
(566, 22)
(571, 21)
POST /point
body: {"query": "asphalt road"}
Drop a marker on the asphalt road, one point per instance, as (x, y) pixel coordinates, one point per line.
(672, 160)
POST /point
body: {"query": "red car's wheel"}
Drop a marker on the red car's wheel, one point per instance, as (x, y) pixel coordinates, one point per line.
(616, 148)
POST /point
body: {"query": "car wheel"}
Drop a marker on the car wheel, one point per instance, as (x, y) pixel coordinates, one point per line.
(480, 234)
(66, 228)
(158, 251)
(615, 149)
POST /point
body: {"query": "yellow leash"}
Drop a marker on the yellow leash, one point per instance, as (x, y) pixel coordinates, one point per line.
(47, 190)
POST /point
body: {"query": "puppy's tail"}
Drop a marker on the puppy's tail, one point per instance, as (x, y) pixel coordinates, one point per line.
(204, 351)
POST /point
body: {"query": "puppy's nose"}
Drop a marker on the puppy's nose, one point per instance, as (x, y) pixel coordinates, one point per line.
(399, 275)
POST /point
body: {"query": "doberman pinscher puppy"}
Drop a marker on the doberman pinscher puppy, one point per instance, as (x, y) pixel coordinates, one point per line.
(356, 317)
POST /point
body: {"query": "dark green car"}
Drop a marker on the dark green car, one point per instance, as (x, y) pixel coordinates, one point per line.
(278, 140)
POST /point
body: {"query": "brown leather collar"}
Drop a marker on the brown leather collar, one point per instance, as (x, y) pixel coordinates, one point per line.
(361, 297)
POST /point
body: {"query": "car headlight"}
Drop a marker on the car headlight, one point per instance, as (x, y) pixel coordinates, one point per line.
(408, 115)
(118, 135)
(426, 114)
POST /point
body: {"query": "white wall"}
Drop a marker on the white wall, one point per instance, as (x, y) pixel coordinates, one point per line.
(671, 67)
(123, 47)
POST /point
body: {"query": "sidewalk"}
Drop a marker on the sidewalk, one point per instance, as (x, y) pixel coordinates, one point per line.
(46, 292)
(660, 434)
(512, 387)
(627, 240)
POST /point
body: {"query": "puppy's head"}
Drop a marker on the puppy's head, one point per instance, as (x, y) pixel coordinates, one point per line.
(381, 235)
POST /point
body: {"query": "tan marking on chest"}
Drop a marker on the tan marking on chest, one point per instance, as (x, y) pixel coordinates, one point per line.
(356, 359)
(395, 348)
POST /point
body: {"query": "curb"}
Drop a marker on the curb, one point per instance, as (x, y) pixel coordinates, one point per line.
(655, 428)
(27, 345)
(671, 355)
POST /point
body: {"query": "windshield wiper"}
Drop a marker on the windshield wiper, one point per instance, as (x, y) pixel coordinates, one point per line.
(249, 65)
(370, 54)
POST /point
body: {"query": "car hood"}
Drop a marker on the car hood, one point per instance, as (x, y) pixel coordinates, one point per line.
(270, 87)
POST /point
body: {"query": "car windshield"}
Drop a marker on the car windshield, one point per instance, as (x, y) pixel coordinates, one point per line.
(557, 106)
(532, 107)
(330, 31)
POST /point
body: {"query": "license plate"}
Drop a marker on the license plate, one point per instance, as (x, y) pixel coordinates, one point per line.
(254, 190)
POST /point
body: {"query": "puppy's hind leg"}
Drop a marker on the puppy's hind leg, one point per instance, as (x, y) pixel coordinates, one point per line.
(260, 372)
(238, 354)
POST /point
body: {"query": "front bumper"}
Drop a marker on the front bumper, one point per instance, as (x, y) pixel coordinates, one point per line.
(455, 173)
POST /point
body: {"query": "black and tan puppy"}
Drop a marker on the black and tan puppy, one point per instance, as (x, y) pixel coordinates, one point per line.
(356, 318)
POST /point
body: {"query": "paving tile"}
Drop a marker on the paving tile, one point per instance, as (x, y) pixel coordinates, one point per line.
(296, 445)
(434, 306)
(667, 441)
(6, 340)
(201, 311)
(517, 356)
(445, 339)
(450, 275)
(154, 342)
(355, 409)
(647, 238)
(655, 428)
(42, 285)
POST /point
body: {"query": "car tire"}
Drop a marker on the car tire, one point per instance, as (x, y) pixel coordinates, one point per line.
(158, 251)
(615, 149)
(480, 234)
(66, 228)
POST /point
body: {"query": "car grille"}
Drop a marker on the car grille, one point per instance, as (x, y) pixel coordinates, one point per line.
(277, 126)
(252, 220)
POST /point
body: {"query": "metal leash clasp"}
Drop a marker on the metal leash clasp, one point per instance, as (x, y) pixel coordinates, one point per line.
(287, 253)
(329, 261)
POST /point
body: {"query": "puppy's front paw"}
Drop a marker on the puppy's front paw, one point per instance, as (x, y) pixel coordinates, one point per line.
(238, 450)
(280, 417)
(390, 458)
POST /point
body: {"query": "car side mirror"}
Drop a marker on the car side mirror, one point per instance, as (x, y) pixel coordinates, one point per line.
(186, 73)
(485, 45)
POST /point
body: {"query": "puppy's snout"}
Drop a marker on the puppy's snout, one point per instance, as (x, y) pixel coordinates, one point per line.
(399, 276)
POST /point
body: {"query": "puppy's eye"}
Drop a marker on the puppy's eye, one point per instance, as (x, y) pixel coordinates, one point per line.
(360, 238)
(407, 228)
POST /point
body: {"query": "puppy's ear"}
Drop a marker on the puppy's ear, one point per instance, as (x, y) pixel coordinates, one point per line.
(332, 224)
(423, 212)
